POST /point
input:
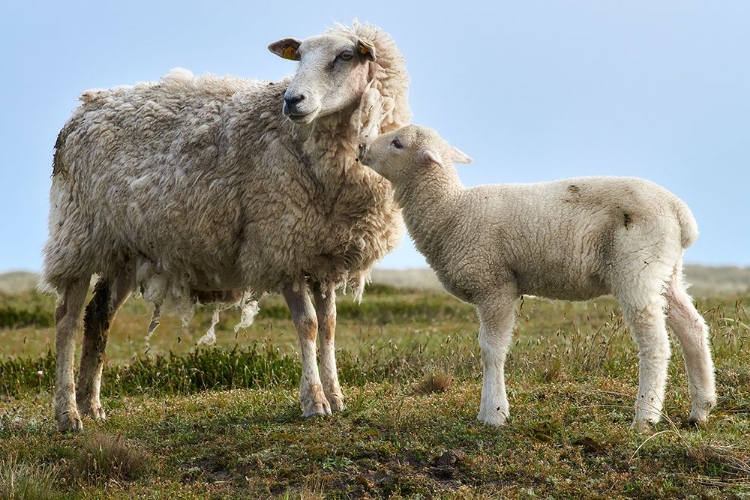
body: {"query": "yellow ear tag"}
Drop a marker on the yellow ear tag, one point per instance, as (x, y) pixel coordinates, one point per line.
(290, 53)
(365, 48)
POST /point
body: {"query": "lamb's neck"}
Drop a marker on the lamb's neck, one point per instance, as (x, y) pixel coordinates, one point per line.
(429, 207)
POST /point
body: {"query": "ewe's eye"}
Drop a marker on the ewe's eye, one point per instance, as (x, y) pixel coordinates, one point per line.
(397, 143)
(346, 55)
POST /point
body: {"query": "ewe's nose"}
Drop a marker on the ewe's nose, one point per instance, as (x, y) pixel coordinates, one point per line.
(292, 101)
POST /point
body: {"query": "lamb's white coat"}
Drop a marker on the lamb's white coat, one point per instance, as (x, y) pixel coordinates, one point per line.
(572, 239)
(216, 189)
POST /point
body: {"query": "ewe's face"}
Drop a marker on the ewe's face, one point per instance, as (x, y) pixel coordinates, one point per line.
(406, 153)
(332, 74)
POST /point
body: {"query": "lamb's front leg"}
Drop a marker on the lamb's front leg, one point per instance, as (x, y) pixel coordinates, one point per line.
(325, 305)
(496, 328)
(311, 393)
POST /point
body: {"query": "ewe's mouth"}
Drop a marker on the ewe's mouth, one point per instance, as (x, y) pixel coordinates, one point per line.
(298, 117)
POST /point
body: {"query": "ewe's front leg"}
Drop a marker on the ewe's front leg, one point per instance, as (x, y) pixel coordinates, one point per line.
(311, 393)
(67, 322)
(325, 305)
(495, 331)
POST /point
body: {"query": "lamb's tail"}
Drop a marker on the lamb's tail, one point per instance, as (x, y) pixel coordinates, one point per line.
(688, 225)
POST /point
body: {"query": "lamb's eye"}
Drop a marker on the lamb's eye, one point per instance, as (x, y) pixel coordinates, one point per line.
(346, 55)
(397, 144)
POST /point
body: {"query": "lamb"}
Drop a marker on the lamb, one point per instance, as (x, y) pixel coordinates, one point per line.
(572, 239)
(218, 189)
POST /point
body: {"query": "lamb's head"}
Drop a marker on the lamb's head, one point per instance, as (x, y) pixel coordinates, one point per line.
(333, 72)
(406, 153)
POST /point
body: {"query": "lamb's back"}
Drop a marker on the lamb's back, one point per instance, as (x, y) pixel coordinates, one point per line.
(556, 238)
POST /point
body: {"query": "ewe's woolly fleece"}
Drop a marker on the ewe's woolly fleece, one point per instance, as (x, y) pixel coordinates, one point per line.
(203, 178)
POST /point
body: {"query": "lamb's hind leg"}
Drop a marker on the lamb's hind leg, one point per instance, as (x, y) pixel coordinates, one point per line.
(109, 295)
(67, 321)
(325, 305)
(692, 331)
(648, 326)
(311, 394)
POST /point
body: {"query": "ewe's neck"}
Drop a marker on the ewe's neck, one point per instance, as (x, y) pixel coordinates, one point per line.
(429, 205)
(330, 141)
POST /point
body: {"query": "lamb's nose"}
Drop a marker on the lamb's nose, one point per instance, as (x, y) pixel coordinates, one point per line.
(361, 151)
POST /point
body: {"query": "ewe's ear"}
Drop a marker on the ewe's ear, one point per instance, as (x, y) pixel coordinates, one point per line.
(366, 49)
(459, 156)
(288, 48)
(430, 157)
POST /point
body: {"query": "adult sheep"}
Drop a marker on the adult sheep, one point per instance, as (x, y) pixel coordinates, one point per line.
(201, 189)
(573, 239)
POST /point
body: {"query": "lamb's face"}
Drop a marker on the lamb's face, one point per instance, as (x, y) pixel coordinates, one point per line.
(408, 152)
(332, 74)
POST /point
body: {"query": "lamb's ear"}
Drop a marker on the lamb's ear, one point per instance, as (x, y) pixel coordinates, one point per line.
(430, 157)
(459, 156)
(366, 49)
(288, 48)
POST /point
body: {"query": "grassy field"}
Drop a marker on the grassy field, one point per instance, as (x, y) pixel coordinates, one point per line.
(224, 422)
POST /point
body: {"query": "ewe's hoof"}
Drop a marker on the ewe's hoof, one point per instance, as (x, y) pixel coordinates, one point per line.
(316, 410)
(97, 414)
(69, 422)
(336, 402)
(93, 411)
(314, 402)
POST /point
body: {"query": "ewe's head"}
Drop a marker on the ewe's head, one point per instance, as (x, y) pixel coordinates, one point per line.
(409, 153)
(333, 71)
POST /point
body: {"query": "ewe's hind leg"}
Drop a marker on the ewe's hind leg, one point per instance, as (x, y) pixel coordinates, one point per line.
(325, 305)
(496, 328)
(67, 322)
(650, 333)
(311, 394)
(108, 297)
(692, 331)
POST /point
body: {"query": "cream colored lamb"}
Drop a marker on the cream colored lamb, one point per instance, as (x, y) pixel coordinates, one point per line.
(573, 239)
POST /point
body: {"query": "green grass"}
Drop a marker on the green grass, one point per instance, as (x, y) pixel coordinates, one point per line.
(225, 422)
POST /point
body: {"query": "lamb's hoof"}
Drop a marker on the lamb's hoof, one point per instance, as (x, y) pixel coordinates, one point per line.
(696, 422)
(644, 426)
(646, 417)
(699, 416)
(69, 422)
(495, 418)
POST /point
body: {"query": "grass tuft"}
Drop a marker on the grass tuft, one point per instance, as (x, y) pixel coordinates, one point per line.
(432, 383)
(104, 457)
(26, 481)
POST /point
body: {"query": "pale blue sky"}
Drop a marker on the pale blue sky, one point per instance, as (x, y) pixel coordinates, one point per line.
(532, 90)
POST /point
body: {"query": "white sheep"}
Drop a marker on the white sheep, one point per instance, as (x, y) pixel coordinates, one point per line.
(216, 189)
(573, 239)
